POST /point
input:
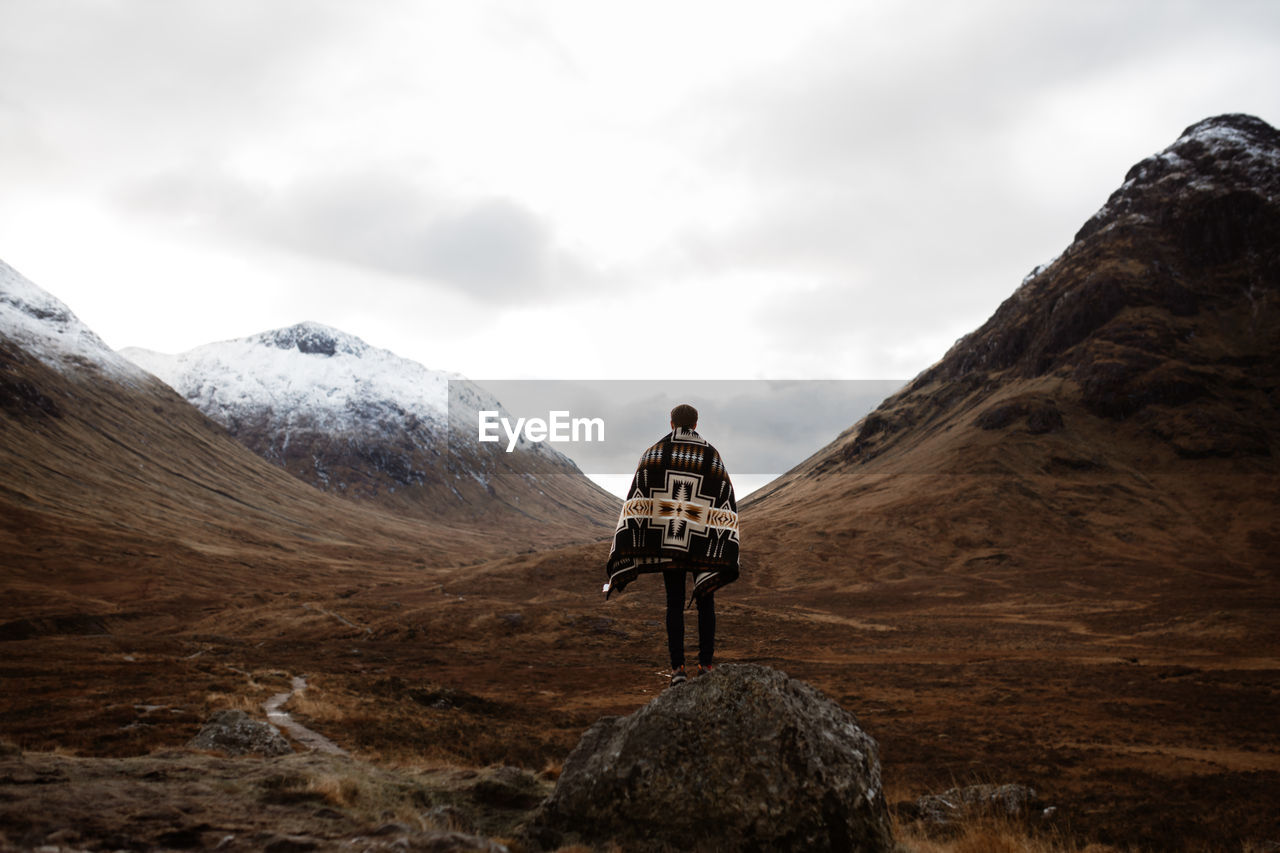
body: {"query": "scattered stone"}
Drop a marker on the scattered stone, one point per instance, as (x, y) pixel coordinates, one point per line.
(236, 733)
(742, 758)
(958, 804)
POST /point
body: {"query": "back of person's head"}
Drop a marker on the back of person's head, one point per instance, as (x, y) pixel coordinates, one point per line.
(684, 416)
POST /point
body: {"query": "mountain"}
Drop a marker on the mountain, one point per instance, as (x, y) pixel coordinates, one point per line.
(1049, 560)
(117, 493)
(1118, 416)
(35, 322)
(365, 423)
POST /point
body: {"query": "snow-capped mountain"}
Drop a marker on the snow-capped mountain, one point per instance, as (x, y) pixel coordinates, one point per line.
(111, 477)
(363, 422)
(321, 376)
(46, 328)
(111, 480)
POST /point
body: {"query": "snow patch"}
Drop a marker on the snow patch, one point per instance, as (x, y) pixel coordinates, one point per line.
(46, 328)
(315, 377)
(309, 373)
(1221, 153)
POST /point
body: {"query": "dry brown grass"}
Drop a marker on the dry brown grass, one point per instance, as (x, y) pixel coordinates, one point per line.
(364, 792)
(218, 701)
(314, 706)
(992, 837)
(341, 791)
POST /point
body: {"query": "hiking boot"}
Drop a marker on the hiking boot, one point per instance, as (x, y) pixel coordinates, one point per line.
(705, 669)
(678, 676)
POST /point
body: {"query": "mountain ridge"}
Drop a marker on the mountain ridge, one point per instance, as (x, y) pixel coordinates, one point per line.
(1123, 402)
(365, 423)
(119, 494)
(46, 327)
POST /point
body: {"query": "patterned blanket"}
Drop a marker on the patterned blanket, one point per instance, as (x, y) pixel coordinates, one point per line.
(680, 513)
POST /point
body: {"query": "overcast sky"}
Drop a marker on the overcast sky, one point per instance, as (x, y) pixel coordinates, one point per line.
(723, 190)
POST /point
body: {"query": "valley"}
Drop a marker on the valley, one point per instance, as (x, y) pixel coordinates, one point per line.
(1049, 560)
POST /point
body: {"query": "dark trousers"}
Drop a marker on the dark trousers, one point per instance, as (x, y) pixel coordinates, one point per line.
(674, 580)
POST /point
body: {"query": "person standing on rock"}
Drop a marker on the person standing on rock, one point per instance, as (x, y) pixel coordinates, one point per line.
(680, 518)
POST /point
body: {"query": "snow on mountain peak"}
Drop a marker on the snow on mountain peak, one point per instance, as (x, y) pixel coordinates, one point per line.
(335, 410)
(46, 328)
(313, 339)
(308, 372)
(1232, 153)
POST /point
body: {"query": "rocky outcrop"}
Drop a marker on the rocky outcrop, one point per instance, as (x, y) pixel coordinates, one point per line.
(1008, 801)
(236, 733)
(744, 758)
(1158, 313)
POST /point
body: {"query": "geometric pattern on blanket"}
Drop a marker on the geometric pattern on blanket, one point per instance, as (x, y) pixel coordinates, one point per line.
(680, 513)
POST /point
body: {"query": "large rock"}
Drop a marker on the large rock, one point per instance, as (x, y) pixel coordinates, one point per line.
(745, 758)
(236, 733)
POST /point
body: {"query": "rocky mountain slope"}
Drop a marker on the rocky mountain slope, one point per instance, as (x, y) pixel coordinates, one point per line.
(364, 423)
(1121, 410)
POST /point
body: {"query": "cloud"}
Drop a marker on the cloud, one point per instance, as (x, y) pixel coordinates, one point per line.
(110, 86)
(495, 246)
(297, 125)
(493, 249)
(910, 166)
(851, 186)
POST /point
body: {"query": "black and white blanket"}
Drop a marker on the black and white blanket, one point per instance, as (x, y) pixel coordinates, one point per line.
(680, 513)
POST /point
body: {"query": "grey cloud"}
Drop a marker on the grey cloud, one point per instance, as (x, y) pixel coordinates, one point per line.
(111, 83)
(496, 246)
(491, 248)
(930, 91)
(880, 159)
(151, 103)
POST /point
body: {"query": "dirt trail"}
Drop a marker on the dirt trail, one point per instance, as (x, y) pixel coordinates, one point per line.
(300, 733)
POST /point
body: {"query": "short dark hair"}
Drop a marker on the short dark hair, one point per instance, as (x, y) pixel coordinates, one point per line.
(684, 416)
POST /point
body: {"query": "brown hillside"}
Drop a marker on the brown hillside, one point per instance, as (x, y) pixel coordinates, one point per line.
(116, 495)
(1120, 412)
(1049, 560)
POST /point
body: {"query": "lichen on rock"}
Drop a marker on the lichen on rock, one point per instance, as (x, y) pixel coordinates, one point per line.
(743, 758)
